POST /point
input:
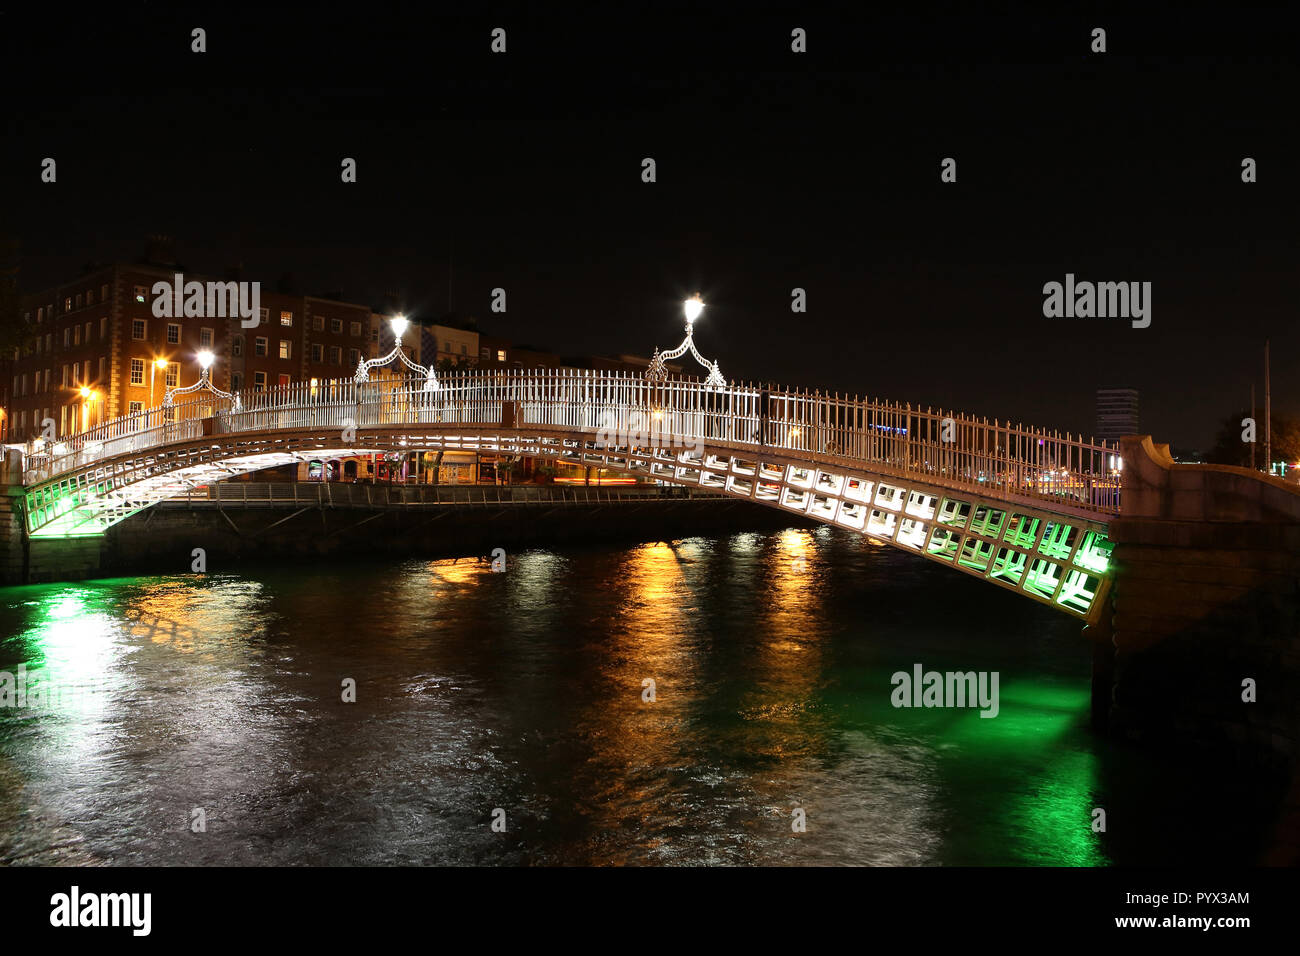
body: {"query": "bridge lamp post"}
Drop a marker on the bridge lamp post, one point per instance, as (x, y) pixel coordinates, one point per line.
(205, 359)
(88, 399)
(657, 372)
(399, 324)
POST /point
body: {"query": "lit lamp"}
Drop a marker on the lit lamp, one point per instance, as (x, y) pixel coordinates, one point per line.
(205, 359)
(658, 372)
(399, 324)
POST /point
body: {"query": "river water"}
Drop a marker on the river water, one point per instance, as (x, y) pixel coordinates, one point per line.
(518, 699)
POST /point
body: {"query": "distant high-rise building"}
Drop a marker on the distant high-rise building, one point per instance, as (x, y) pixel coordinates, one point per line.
(1117, 413)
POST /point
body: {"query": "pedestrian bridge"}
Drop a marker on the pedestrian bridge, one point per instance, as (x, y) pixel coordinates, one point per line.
(1025, 509)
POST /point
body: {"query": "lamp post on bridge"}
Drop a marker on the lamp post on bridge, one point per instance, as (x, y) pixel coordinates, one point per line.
(399, 324)
(205, 358)
(657, 372)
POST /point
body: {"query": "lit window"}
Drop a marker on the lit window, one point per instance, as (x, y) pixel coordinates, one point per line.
(173, 333)
(286, 318)
(205, 338)
(286, 349)
(137, 329)
(501, 355)
(67, 304)
(137, 371)
(140, 293)
(259, 345)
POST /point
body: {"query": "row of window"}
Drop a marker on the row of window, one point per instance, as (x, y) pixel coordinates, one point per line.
(69, 303)
(73, 376)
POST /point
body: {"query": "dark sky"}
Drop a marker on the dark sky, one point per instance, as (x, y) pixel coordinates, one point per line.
(775, 170)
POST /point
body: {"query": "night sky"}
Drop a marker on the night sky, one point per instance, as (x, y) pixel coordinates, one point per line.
(775, 170)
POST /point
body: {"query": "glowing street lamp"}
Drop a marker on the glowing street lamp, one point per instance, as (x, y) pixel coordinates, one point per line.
(205, 359)
(399, 324)
(657, 372)
(157, 365)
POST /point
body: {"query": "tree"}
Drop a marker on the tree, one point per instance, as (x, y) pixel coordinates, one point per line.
(1230, 449)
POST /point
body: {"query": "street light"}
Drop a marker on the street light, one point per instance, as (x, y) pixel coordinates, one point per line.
(156, 365)
(399, 324)
(88, 396)
(658, 372)
(205, 358)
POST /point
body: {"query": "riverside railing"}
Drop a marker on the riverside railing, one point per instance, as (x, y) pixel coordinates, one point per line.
(621, 409)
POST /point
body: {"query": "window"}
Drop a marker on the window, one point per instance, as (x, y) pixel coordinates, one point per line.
(101, 373)
(103, 292)
(286, 318)
(103, 328)
(173, 333)
(354, 357)
(76, 335)
(283, 380)
(286, 349)
(237, 346)
(67, 337)
(40, 314)
(140, 293)
(259, 381)
(259, 345)
(90, 297)
(205, 338)
(38, 345)
(318, 323)
(236, 381)
(448, 346)
(138, 329)
(78, 300)
(64, 382)
(501, 355)
(336, 326)
(49, 341)
(336, 355)
(24, 381)
(137, 371)
(87, 333)
(173, 374)
(374, 333)
(67, 304)
(135, 408)
(261, 316)
(317, 352)
(464, 350)
(356, 330)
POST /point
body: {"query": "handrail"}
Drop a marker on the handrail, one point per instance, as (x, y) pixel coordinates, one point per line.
(624, 409)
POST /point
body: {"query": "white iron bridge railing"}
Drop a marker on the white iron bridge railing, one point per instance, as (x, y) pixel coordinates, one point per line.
(995, 458)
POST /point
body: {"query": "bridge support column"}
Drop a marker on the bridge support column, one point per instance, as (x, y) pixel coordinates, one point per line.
(1206, 600)
(13, 554)
(1101, 638)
